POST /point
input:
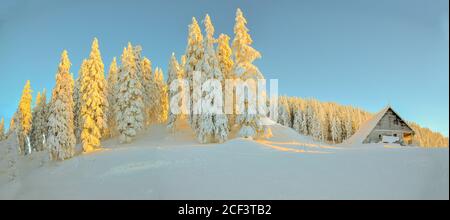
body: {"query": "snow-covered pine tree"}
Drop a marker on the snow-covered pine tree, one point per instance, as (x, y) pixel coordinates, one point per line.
(2, 129)
(298, 118)
(323, 120)
(284, 112)
(137, 50)
(194, 53)
(150, 95)
(312, 120)
(129, 100)
(244, 55)
(304, 124)
(224, 55)
(316, 124)
(162, 102)
(213, 123)
(348, 123)
(94, 103)
(61, 138)
(112, 90)
(335, 126)
(175, 72)
(39, 127)
(78, 120)
(24, 117)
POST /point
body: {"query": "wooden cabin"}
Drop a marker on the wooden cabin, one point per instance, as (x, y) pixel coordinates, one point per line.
(385, 127)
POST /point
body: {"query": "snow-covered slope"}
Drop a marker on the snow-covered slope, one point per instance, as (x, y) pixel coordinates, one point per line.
(159, 165)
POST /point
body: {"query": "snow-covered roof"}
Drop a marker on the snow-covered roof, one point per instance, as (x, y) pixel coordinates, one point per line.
(369, 125)
(365, 129)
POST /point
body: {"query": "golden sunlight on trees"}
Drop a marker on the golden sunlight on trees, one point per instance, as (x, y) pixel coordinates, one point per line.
(194, 53)
(61, 139)
(244, 55)
(93, 101)
(24, 116)
(135, 96)
(113, 75)
(129, 102)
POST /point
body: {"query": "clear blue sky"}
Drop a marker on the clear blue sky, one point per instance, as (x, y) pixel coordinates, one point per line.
(366, 53)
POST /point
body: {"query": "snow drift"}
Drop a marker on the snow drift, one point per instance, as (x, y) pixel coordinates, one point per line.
(160, 165)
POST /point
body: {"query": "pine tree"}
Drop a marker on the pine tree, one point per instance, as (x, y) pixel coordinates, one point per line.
(176, 92)
(149, 92)
(244, 55)
(224, 55)
(137, 52)
(61, 138)
(348, 124)
(77, 99)
(194, 53)
(2, 129)
(39, 128)
(93, 101)
(335, 128)
(284, 112)
(213, 123)
(162, 102)
(25, 118)
(129, 101)
(298, 118)
(113, 76)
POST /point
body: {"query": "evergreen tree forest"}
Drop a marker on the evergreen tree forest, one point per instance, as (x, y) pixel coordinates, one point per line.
(130, 95)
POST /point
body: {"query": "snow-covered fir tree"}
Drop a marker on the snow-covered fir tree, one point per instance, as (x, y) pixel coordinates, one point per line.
(348, 124)
(161, 105)
(61, 138)
(39, 127)
(315, 126)
(335, 125)
(298, 118)
(94, 103)
(24, 118)
(78, 120)
(113, 75)
(194, 53)
(137, 51)
(176, 92)
(213, 123)
(149, 95)
(129, 101)
(224, 55)
(284, 112)
(244, 55)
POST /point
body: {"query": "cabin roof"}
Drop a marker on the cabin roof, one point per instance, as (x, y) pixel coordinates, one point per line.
(367, 127)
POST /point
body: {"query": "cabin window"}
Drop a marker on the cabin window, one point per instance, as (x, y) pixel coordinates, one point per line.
(396, 121)
(395, 135)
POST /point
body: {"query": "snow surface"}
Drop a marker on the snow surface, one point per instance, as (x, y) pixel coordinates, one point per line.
(160, 165)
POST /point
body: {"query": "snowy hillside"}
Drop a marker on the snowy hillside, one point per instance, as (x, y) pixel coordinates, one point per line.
(159, 165)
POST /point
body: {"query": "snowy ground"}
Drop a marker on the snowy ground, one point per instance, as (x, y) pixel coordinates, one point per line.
(288, 166)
